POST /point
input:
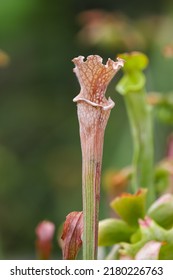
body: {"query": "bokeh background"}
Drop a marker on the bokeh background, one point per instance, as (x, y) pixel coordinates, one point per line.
(40, 156)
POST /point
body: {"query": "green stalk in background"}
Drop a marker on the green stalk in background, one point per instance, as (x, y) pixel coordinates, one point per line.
(93, 113)
(132, 87)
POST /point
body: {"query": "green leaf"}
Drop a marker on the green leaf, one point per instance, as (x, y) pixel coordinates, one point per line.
(149, 231)
(136, 236)
(130, 207)
(130, 250)
(166, 252)
(161, 211)
(112, 231)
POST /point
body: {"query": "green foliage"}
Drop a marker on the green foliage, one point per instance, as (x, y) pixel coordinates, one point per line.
(130, 208)
(162, 211)
(150, 219)
(152, 236)
(112, 231)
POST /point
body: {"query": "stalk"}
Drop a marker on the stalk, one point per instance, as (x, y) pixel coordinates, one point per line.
(92, 147)
(132, 87)
(140, 119)
(93, 113)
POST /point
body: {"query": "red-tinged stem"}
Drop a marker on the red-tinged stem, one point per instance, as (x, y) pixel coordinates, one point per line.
(91, 170)
(92, 147)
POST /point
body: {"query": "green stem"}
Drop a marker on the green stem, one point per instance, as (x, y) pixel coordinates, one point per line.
(92, 122)
(139, 113)
(92, 155)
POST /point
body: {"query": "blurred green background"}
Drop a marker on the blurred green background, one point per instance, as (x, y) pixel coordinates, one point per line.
(40, 156)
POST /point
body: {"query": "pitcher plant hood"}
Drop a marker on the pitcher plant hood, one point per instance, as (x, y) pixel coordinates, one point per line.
(94, 78)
